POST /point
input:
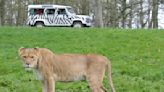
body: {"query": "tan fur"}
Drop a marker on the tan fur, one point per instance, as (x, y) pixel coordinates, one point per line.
(51, 67)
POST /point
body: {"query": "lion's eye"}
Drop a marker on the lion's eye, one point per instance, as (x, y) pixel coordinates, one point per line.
(32, 57)
(24, 56)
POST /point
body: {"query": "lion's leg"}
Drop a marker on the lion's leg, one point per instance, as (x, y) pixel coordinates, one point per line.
(93, 82)
(50, 85)
(101, 78)
(44, 86)
(103, 89)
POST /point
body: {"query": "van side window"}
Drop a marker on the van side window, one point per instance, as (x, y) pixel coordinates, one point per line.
(39, 11)
(50, 11)
(36, 11)
(62, 11)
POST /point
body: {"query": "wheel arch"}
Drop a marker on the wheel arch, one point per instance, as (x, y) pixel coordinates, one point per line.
(39, 22)
(77, 21)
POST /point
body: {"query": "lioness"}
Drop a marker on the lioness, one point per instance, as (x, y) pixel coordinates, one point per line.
(50, 67)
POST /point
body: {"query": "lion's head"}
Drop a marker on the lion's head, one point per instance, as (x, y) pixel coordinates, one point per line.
(29, 56)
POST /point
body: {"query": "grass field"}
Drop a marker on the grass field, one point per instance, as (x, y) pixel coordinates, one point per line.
(137, 56)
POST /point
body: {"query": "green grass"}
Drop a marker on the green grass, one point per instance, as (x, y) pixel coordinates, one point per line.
(137, 56)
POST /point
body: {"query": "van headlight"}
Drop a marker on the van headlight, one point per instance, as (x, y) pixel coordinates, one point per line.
(88, 20)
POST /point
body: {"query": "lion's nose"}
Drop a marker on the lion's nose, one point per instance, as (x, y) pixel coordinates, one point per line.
(27, 64)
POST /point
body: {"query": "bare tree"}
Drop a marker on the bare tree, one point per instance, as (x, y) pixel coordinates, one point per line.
(123, 13)
(148, 14)
(18, 13)
(155, 14)
(130, 16)
(2, 12)
(114, 14)
(110, 13)
(98, 13)
(141, 14)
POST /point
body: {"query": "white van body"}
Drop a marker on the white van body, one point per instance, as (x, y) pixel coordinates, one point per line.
(56, 15)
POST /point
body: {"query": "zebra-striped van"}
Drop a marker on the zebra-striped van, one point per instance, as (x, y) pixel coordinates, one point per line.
(55, 15)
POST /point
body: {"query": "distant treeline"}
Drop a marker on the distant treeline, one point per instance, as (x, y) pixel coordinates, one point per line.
(105, 13)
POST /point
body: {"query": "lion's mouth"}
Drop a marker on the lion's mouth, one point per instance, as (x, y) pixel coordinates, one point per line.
(27, 66)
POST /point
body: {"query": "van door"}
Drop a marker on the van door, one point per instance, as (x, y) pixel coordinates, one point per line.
(50, 16)
(63, 19)
(35, 14)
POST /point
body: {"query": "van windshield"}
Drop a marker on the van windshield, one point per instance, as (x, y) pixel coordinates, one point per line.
(70, 10)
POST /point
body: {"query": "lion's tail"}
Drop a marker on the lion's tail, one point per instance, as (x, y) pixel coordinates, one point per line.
(109, 72)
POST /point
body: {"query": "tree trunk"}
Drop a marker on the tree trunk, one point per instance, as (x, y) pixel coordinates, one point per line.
(141, 14)
(155, 14)
(91, 10)
(84, 7)
(123, 13)
(149, 14)
(98, 13)
(2, 12)
(113, 14)
(19, 13)
(130, 16)
(11, 13)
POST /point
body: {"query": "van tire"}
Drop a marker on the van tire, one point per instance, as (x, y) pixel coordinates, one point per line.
(39, 24)
(77, 24)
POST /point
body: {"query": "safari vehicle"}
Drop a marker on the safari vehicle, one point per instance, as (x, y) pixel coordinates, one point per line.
(55, 15)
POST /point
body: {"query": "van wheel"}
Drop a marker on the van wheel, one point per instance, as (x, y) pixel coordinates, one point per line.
(39, 24)
(77, 24)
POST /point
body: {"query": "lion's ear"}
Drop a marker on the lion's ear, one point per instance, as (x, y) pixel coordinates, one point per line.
(21, 50)
(36, 48)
